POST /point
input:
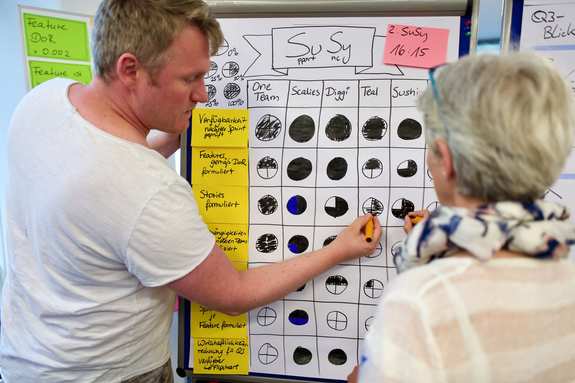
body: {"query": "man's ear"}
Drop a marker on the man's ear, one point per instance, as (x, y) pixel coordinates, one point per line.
(445, 158)
(127, 68)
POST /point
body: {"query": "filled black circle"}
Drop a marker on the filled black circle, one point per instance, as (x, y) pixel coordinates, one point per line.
(337, 357)
(298, 317)
(374, 129)
(267, 243)
(337, 168)
(302, 355)
(267, 204)
(302, 129)
(298, 244)
(409, 129)
(231, 90)
(299, 168)
(338, 128)
(296, 205)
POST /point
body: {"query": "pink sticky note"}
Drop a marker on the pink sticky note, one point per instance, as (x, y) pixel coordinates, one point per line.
(410, 45)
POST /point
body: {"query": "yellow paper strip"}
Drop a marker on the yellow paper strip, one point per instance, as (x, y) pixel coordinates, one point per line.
(220, 127)
(232, 239)
(219, 204)
(208, 323)
(221, 356)
(220, 166)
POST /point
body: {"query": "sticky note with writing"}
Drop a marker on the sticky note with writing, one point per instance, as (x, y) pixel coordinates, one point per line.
(41, 71)
(219, 204)
(208, 323)
(415, 46)
(221, 356)
(220, 166)
(232, 239)
(220, 127)
(56, 38)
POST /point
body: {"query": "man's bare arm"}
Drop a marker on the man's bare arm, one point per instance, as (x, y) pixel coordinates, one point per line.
(217, 285)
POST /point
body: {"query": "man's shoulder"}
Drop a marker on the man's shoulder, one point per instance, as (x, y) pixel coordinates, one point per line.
(43, 98)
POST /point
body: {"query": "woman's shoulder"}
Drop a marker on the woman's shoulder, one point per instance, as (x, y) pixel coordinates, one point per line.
(467, 273)
(423, 279)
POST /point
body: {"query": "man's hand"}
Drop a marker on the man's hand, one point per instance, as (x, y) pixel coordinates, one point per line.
(351, 242)
(164, 143)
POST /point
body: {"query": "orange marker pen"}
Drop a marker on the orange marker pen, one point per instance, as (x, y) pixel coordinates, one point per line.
(415, 220)
(369, 230)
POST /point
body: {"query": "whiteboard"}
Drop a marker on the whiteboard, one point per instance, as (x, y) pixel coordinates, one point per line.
(323, 71)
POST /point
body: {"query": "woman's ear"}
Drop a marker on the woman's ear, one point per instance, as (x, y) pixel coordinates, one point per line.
(445, 158)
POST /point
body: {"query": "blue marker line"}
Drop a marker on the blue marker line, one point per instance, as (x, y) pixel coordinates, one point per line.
(567, 176)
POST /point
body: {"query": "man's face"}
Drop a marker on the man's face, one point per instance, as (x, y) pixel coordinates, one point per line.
(165, 102)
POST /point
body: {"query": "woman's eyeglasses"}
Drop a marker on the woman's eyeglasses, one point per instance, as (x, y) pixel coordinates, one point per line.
(437, 97)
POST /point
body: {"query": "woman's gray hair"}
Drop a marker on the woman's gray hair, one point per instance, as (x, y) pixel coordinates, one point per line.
(146, 28)
(508, 121)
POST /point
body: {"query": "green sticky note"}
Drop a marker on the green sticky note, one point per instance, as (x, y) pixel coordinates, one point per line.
(41, 71)
(56, 38)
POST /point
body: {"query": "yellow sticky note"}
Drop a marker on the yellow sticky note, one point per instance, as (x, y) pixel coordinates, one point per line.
(220, 127)
(220, 166)
(222, 204)
(55, 37)
(232, 239)
(208, 323)
(221, 356)
(41, 71)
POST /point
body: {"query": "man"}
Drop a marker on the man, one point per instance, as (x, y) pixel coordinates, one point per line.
(101, 232)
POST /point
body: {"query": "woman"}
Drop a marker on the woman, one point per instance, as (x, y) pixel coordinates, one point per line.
(489, 294)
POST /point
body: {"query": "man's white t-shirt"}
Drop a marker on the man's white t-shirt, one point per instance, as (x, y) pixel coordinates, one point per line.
(96, 226)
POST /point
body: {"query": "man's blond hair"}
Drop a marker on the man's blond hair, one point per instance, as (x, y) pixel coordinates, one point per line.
(146, 28)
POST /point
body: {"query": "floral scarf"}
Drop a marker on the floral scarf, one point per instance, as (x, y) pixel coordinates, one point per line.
(538, 229)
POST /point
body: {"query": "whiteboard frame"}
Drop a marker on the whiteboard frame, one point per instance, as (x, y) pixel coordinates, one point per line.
(329, 8)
